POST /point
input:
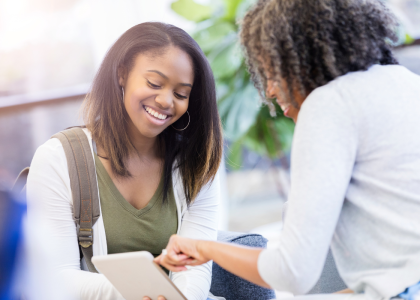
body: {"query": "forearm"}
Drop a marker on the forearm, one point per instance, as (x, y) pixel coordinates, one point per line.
(239, 260)
(194, 284)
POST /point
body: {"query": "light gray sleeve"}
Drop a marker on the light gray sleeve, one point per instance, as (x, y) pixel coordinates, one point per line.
(200, 222)
(323, 155)
(50, 208)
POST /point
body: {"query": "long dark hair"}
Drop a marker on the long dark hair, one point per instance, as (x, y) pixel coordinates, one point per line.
(197, 150)
(310, 43)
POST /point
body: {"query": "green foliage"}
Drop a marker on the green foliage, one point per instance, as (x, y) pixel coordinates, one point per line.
(191, 10)
(245, 121)
(408, 39)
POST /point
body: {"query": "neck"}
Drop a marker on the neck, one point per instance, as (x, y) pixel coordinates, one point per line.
(144, 146)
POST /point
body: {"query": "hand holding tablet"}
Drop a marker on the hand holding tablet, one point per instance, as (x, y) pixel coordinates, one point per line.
(136, 276)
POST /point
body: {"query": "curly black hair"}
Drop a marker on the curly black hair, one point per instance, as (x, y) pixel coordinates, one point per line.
(308, 43)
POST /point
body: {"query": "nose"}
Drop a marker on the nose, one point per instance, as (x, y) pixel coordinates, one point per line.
(270, 91)
(164, 100)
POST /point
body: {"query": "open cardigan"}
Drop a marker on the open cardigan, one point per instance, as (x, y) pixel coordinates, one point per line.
(49, 198)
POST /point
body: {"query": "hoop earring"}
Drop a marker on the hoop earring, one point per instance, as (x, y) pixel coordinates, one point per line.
(189, 119)
(123, 93)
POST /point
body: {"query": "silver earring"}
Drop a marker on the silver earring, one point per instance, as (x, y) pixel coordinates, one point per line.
(122, 92)
(189, 119)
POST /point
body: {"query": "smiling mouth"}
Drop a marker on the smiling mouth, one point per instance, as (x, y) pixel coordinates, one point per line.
(155, 114)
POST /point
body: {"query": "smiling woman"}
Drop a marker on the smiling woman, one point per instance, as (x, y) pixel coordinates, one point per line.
(154, 129)
(161, 68)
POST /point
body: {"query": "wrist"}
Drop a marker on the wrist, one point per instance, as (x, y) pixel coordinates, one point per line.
(202, 249)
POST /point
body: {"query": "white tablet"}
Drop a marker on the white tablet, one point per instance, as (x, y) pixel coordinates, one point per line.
(135, 275)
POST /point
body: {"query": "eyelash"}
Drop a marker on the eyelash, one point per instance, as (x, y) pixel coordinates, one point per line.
(180, 96)
(154, 86)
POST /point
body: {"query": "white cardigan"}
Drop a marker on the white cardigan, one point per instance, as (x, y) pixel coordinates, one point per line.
(49, 198)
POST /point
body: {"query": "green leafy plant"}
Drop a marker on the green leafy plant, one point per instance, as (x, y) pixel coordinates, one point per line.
(245, 121)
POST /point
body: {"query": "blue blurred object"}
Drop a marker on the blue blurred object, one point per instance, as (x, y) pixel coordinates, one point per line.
(230, 286)
(12, 211)
(411, 292)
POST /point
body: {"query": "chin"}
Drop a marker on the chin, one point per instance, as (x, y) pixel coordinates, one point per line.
(150, 133)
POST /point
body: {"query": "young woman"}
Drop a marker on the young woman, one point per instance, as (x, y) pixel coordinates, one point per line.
(355, 169)
(152, 114)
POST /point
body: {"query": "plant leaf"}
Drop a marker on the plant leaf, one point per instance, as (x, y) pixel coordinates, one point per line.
(235, 155)
(226, 60)
(240, 112)
(408, 39)
(212, 36)
(192, 10)
(231, 7)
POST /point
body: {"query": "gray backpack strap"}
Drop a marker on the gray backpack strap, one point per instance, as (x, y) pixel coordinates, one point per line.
(84, 187)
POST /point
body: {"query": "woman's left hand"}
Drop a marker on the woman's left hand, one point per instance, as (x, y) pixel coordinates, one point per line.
(159, 298)
(180, 252)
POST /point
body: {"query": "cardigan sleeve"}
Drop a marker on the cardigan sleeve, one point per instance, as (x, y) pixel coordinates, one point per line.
(200, 221)
(50, 207)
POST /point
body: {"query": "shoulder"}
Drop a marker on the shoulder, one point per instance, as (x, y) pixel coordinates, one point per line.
(354, 92)
(329, 111)
(52, 150)
(178, 182)
(49, 164)
(347, 95)
(209, 193)
(50, 158)
(326, 101)
(48, 177)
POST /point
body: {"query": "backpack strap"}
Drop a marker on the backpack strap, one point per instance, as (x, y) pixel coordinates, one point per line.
(84, 187)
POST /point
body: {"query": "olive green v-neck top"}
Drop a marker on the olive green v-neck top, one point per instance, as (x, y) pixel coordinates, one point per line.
(129, 229)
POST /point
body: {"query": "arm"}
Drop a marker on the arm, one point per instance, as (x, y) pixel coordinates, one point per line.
(239, 260)
(200, 221)
(323, 156)
(50, 205)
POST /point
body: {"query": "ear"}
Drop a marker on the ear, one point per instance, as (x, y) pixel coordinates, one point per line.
(122, 76)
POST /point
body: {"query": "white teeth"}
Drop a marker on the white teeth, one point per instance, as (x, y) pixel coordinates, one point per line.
(284, 106)
(155, 113)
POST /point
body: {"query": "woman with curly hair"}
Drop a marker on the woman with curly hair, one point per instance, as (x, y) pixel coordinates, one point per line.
(355, 166)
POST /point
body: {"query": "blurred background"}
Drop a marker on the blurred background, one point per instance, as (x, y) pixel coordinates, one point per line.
(50, 51)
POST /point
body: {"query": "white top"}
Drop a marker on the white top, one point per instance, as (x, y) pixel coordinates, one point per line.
(355, 175)
(50, 199)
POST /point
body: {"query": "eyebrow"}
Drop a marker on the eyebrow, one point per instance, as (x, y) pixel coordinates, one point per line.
(166, 77)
